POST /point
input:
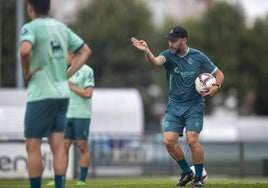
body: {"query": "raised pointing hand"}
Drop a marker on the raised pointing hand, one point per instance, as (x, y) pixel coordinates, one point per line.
(139, 44)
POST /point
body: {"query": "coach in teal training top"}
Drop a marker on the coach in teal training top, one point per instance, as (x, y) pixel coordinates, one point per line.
(185, 108)
(181, 72)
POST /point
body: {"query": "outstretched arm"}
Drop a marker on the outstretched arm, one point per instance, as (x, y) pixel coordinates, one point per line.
(149, 56)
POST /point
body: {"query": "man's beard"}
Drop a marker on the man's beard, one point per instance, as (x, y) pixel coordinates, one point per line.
(176, 50)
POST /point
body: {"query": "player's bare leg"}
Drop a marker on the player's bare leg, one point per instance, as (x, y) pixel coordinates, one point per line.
(67, 145)
(84, 160)
(175, 151)
(173, 148)
(195, 147)
(197, 156)
(35, 164)
(84, 153)
(59, 155)
(60, 158)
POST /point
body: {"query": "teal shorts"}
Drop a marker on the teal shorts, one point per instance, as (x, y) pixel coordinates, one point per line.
(45, 117)
(77, 129)
(180, 117)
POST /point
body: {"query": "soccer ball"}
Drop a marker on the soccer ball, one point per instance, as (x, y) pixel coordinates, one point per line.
(203, 81)
(204, 173)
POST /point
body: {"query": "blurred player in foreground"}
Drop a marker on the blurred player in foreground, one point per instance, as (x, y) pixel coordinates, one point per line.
(185, 108)
(44, 43)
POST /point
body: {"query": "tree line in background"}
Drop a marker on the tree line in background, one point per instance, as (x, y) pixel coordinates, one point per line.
(221, 33)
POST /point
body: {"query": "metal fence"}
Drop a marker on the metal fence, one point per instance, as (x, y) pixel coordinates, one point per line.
(147, 156)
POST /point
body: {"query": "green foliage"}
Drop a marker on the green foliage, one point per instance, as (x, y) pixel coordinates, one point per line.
(8, 43)
(107, 26)
(259, 64)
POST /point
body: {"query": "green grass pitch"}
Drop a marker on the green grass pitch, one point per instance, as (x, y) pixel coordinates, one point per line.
(145, 183)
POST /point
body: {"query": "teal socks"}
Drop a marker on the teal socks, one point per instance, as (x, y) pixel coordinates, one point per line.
(59, 181)
(83, 173)
(35, 182)
(198, 170)
(184, 166)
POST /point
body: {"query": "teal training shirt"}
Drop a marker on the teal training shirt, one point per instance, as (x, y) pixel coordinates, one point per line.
(80, 107)
(51, 40)
(181, 72)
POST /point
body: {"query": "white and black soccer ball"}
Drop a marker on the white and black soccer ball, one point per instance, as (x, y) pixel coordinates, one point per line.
(204, 173)
(203, 81)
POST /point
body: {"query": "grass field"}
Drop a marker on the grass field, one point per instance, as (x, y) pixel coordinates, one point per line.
(145, 183)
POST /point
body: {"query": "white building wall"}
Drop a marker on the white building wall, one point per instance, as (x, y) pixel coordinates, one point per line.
(114, 111)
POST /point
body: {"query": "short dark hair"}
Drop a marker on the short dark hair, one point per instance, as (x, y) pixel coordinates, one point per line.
(40, 6)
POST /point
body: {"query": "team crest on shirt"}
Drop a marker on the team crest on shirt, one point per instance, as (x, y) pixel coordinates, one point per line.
(24, 32)
(90, 76)
(166, 124)
(190, 61)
